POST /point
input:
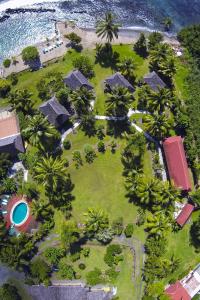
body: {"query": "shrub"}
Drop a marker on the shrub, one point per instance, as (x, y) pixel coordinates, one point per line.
(113, 146)
(77, 159)
(75, 256)
(84, 65)
(117, 226)
(30, 53)
(86, 251)
(9, 292)
(129, 230)
(105, 236)
(112, 274)
(54, 254)
(4, 87)
(40, 269)
(89, 154)
(7, 63)
(13, 79)
(74, 38)
(111, 252)
(94, 277)
(82, 266)
(67, 144)
(101, 146)
(66, 271)
(100, 131)
(140, 46)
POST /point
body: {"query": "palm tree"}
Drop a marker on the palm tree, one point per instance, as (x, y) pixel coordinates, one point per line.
(160, 100)
(148, 190)
(20, 100)
(127, 68)
(107, 28)
(174, 263)
(157, 125)
(39, 130)
(157, 225)
(118, 101)
(50, 171)
(81, 100)
(96, 220)
(40, 210)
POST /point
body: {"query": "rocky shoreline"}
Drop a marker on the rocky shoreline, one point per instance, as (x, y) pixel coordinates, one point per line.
(10, 11)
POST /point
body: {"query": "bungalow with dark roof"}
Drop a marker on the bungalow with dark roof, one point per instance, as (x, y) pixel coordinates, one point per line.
(177, 163)
(56, 113)
(185, 214)
(118, 80)
(76, 80)
(10, 137)
(154, 81)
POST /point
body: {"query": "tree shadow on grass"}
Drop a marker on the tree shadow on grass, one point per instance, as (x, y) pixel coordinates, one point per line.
(117, 128)
(106, 57)
(195, 236)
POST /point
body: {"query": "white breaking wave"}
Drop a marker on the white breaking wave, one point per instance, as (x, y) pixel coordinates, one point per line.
(22, 3)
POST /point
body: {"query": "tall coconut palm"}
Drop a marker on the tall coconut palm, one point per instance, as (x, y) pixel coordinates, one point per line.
(157, 125)
(20, 100)
(107, 28)
(81, 100)
(148, 190)
(127, 68)
(118, 101)
(157, 225)
(96, 219)
(160, 100)
(39, 130)
(49, 171)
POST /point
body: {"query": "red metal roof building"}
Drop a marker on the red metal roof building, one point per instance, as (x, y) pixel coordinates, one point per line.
(177, 292)
(185, 214)
(176, 162)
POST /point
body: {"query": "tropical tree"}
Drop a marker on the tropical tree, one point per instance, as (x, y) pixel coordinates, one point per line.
(20, 100)
(81, 100)
(96, 220)
(174, 263)
(159, 100)
(40, 269)
(9, 292)
(157, 225)
(127, 68)
(107, 28)
(118, 101)
(140, 46)
(155, 38)
(162, 61)
(69, 234)
(30, 54)
(39, 131)
(167, 22)
(41, 210)
(49, 171)
(5, 164)
(158, 125)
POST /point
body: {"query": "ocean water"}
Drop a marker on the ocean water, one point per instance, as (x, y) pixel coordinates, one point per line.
(25, 29)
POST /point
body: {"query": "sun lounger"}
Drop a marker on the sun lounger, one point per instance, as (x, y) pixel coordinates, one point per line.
(4, 212)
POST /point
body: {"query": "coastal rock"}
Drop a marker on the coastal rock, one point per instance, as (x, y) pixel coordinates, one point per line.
(11, 11)
(4, 18)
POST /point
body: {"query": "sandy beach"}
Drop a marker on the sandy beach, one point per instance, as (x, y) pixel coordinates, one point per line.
(89, 40)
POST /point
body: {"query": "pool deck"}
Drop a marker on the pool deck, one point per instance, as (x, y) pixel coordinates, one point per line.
(28, 224)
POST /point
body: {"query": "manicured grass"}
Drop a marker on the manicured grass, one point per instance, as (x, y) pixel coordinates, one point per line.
(123, 283)
(28, 80)
(180, 246)
(180, 77)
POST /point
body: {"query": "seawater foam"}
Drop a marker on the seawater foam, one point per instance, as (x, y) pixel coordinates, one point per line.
(22, 3)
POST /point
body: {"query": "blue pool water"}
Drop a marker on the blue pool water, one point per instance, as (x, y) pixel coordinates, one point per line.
(19, 213)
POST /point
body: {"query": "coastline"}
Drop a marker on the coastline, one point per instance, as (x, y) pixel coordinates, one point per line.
(127, 35)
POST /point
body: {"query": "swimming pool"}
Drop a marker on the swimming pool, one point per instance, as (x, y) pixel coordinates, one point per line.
(19, 213)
